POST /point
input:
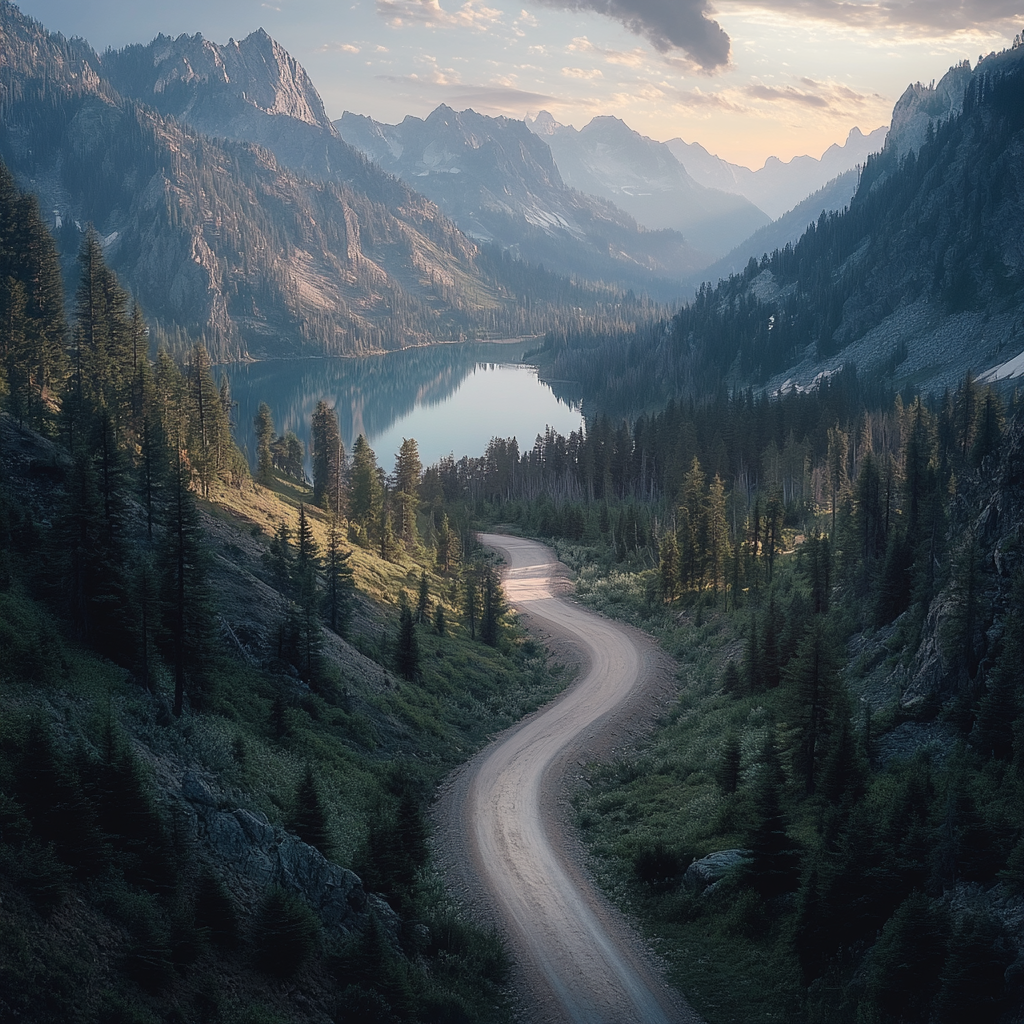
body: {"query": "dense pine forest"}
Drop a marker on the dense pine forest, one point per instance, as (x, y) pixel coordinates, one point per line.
(829, 824)
(224, 706)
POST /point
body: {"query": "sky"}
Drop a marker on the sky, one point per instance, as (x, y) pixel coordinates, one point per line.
(747, 80)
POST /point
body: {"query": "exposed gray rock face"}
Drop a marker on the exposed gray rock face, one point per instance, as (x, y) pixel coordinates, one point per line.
(921, 104)
(251, 855)
(257, 69)
(703, 873)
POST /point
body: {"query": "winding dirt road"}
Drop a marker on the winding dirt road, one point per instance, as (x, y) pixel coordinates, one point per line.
(578, 959)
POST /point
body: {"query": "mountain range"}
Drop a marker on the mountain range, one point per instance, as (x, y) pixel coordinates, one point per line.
(779, 185)
(499, 183)
(919, 281)
(607, 158)
(233, 210)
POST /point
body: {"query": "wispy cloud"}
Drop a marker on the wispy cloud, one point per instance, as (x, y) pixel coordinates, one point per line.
(635, 58)
(920, 17)
(472, 14)
(337, 48)
(587, 73)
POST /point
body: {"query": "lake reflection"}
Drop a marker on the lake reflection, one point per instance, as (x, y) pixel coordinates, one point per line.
(451, 398)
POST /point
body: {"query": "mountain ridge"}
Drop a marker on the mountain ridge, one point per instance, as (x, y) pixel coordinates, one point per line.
(778, 185)
(261, 232)
(609, 159)
(499, 182)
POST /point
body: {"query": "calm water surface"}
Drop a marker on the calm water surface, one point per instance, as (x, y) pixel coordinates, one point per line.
(451, 398)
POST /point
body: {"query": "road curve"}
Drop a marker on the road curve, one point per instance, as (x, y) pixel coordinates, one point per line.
(580, 962)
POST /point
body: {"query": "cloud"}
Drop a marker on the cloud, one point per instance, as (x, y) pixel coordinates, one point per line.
(921, 17)
(831, 96)
(582, 73)
(785, 94)
(635, 58)
(494, 95)
(666, 24)
(471, 14)
(337, 48)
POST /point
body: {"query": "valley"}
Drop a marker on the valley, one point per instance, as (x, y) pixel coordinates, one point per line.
(481, 569)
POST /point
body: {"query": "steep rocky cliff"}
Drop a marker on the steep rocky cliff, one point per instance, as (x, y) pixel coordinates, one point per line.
(230, 207)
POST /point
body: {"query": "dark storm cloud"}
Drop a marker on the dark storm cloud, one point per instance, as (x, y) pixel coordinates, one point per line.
(667, 24)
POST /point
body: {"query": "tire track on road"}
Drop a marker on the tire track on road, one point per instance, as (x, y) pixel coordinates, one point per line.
(580, 961)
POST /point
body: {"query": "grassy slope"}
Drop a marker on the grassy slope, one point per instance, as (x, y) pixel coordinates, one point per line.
(666, 797)
(362, 730)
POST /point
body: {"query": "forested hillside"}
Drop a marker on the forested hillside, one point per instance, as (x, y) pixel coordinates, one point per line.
(219, 240)
(829, 824)
(220, 696)
(921, 279)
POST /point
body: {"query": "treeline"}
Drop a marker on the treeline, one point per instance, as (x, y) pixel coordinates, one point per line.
(133, 434)
(938, 225)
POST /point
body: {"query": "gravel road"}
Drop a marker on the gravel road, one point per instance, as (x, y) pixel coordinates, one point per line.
(503, 819)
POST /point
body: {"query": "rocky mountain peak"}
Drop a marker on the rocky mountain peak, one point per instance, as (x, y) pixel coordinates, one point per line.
(921, 104)
(256, 69)
(543, 124)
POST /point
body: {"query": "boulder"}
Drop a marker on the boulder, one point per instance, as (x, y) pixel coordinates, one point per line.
(703, 873)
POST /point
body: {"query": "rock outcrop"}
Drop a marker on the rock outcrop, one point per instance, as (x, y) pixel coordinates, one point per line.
(250, 855)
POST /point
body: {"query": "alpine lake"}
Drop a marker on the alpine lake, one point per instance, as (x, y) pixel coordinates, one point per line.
(451, 398)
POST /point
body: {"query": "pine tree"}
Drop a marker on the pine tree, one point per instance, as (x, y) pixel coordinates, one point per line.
(447, 546)
(728, 773)
(838, 450)
(668, 567)
(815, 701)
(184, 597)
(692, 554)
(328, 454)
(308, 819)
(422, 599)
(493, 608)
(264, 424)
(774, 857)
(716, 534)
(340, 582)
(408, 470)
(407, 651)
(366, 498)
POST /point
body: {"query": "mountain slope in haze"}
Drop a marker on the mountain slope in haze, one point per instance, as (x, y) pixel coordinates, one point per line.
(919, 281)
(219, 237)
(787, 229)
(607, 158)
(499, 183)
(923, 277)
(779, 185)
